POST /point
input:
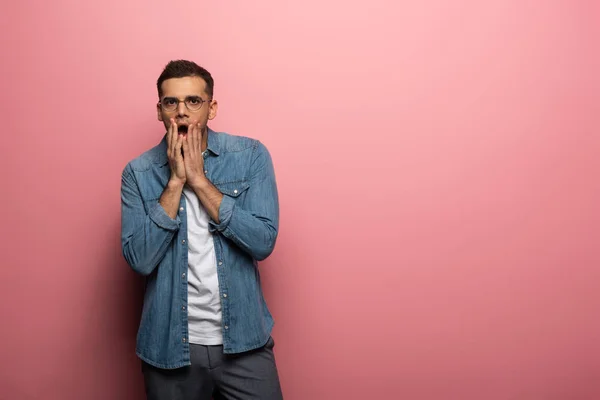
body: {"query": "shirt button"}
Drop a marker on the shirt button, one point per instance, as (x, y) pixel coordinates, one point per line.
(183, 275)
(226, 327)
(183, 241)
(224, 294)
(220, 262)
(183, 308)
(183, 340)
(206, 171)
(235, 191)
(180, 208)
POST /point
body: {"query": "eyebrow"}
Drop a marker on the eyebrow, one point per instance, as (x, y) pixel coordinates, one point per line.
(186, 97)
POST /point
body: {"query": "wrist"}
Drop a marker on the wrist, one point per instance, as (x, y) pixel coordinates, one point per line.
(199, 183)
(175, 184)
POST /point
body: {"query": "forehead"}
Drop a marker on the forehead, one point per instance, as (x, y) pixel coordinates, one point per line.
(182, 87)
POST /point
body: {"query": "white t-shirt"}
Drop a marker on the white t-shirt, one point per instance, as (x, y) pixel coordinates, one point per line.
(204, 302)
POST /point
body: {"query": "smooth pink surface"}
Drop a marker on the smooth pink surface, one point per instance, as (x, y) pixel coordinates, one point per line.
(439, 179)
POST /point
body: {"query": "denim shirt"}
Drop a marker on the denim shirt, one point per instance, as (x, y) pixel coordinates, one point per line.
(155, 246)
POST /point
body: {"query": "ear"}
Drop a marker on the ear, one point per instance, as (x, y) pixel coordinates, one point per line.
(212, 109)
(158, 112)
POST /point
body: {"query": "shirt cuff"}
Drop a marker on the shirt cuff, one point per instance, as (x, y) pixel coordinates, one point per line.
(225, 213)
(160, 218)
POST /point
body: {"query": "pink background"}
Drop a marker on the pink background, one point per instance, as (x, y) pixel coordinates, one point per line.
(438, 171)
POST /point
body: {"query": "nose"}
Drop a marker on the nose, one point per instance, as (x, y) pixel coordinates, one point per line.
(181, 109)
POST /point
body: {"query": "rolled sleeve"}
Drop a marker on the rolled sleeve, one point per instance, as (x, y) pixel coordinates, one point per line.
(225, 213)
(145, 236)
(253, 224)
(159, 216)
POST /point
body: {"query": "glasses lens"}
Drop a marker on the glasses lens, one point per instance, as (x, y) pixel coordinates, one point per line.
(169, 104)
(193, 103)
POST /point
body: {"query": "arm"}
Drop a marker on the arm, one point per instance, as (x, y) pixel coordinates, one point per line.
(209, 196)
(145, 238)
(170, 198)
(254, 227)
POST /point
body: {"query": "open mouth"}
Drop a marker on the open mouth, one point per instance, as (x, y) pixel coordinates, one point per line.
(182, 128)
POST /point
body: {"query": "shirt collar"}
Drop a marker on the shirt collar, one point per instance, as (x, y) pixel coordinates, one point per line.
(213, 142)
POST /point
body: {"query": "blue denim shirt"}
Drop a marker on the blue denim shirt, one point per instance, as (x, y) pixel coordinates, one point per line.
(155, 246)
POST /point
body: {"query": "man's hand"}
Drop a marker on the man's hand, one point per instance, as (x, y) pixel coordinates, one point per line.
(171, 194)
(176, 162)
(192, 157)
(209, 195)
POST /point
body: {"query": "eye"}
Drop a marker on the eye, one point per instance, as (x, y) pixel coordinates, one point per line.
(194, 100)
(169, 101)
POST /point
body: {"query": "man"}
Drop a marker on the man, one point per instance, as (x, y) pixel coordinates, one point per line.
(199, 211)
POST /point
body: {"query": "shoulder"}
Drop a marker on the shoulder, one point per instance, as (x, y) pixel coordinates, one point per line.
(232, 143)
(149, 158)
(229, 142)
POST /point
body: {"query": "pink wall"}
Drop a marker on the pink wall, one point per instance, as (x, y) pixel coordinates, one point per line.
(438, 170)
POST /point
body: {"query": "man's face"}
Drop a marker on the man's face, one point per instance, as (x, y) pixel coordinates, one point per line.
(185, 100)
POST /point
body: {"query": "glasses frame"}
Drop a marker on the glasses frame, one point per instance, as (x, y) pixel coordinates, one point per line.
(176, 106)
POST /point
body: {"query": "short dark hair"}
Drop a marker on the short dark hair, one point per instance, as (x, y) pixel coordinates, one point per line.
(182, 69)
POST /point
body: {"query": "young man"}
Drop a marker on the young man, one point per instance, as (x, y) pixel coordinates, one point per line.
(199, 211)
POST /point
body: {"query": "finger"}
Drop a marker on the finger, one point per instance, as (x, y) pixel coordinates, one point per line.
(178, 146)
(192, 138)
(169, 140)
(193, 147)
(185, 146)
(173, 137)
(175, 132)
(198, 137)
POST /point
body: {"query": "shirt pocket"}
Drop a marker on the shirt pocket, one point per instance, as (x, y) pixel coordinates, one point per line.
(233, 189)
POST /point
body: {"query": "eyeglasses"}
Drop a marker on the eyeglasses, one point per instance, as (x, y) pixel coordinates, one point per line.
(193, 103)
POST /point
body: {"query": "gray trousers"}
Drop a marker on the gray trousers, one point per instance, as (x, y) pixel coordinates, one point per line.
(214, 375)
